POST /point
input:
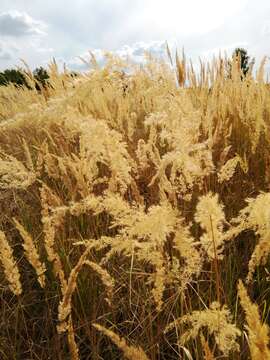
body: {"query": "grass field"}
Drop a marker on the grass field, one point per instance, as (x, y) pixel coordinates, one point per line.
(135, 214)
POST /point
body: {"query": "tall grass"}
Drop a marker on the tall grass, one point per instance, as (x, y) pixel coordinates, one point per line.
(131, 206)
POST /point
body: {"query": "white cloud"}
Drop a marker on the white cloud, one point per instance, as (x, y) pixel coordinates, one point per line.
(134, 53)
(5, 55)
(224, 49)
(266, 29)
(18, 24)
(176, 17)
(203, 28)
(7, 50)
(45, 50)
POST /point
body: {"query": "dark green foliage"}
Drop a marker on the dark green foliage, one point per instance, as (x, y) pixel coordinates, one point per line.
(17, 77)
(12, 76)
(41, 76)
(242, 56)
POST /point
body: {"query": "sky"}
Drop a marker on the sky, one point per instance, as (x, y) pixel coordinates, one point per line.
(38, 31)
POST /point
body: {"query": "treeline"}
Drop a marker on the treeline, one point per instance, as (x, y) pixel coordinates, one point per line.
(17, 77)
(40, 74)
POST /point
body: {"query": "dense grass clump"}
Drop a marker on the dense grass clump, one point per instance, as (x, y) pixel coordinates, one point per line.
(135, 214)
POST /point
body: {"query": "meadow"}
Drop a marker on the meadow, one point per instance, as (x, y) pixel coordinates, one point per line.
(135, 213)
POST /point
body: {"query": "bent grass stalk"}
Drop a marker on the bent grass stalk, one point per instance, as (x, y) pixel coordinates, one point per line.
(9, 264)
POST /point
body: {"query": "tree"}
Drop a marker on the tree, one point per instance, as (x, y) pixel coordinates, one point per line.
(243, 58)
(12, 76)
(41, 75)
(17, 77)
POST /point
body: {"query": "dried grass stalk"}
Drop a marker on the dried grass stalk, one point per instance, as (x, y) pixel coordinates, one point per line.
(31, 253)
(258, 333)
(73, 348)
(64, 308)
(130, 352)
(208, 354)
(105, 277)
(218, 321)
(9, 264)
(50, 223)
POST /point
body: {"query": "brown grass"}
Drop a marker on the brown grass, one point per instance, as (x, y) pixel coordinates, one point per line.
(158, 181)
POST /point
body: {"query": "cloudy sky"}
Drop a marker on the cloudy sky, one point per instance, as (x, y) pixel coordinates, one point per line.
(38, 30)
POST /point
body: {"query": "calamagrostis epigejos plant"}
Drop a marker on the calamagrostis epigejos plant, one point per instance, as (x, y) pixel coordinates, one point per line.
(258, 332)
(64, 309)
(129, 352)
(218, 321)
(256, 216)
(208, 354)
(210, 215)
(13, 173)
(10, 267)
(50, 224)
(124, 160)
(228, 169)
(31, 253)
